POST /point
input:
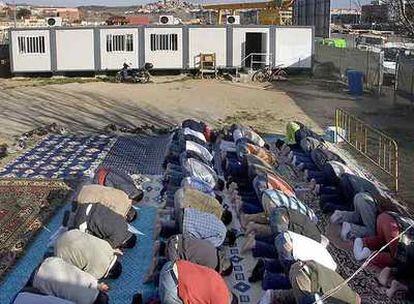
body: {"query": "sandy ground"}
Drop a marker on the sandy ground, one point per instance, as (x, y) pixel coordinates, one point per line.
(93, 105)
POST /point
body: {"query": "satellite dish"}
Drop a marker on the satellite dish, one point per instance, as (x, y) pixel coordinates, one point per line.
(164, 20)
(231, 20)
(51, 21)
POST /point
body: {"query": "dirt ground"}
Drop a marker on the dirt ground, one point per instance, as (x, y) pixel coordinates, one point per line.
(90, 106)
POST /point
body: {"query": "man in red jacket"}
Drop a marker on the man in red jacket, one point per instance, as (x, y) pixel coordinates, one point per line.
(184, 282)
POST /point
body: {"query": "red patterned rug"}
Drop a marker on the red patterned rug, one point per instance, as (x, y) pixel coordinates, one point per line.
(25, 206)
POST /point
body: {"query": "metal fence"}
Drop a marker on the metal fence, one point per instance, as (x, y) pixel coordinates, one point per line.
(376, 146)
(404, 84)
(344, 59)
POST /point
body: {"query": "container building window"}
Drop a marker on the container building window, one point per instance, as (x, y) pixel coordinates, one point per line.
(31, 44)
(119, 43)
(164, 42)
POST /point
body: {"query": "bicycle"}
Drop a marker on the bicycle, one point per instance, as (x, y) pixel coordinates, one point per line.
(269, 74)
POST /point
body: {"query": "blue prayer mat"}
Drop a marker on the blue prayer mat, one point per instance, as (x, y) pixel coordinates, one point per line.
(138, 154)
(17, 277)
(135, 261)
(61, 157)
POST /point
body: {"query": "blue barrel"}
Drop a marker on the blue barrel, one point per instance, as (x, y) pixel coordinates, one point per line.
(355, 82)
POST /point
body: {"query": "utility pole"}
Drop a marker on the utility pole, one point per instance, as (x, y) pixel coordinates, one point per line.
(15, 13)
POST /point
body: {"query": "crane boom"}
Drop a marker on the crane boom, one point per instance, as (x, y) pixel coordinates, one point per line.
(271, 7)
(251, 5)
(237, 6)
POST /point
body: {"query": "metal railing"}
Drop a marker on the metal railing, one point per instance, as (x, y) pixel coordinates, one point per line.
(376, 146)
(370, 63)
(267, 61)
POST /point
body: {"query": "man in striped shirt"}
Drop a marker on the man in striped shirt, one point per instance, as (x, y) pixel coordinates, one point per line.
(204, 226)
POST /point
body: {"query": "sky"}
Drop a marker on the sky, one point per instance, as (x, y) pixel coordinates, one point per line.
(335, 3)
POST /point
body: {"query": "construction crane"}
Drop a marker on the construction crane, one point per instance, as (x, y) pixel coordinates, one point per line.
(270, 11)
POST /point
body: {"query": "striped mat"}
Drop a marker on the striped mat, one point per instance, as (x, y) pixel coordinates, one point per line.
(138, 154)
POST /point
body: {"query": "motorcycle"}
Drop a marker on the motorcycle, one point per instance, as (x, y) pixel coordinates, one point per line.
(140, 75)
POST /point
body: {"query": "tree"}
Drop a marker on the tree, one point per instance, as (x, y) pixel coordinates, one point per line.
(403, 11)
(357, 4)
(23, 13)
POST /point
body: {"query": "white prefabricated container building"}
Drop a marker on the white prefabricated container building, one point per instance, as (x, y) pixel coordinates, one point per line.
(106, 48)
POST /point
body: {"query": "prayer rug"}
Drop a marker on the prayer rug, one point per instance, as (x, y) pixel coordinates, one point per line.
(152, 186)
(135, 261)
(243, 264)
(365, 283)
(25, 206)
(61, 157)
(17, 278)
(138, 154)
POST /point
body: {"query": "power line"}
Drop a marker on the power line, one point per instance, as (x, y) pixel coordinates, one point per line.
(333, 291)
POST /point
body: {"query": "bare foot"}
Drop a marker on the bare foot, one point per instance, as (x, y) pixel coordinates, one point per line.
(237, 205)
(293, 161)
(103, 287)
(249, 243)
(251, 228)
(312, 184)
(324, 241)
(384, 276)
(118, 252)
(232, 187)
(306, 175)
(243, 220)
(235, 199)
(156, 248)
(395, 287)
(150, 274)
(157, 218)
(317, 189)
(300, 167)
(157, 230)
(234, 196)
(285, 150)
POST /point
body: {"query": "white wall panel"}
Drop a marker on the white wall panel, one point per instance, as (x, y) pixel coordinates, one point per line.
(294, 47)
(75, 50)
(115, 60)
(239, 40)
(75, 47)
(207, 40)
(30, 62)
(164, 59)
